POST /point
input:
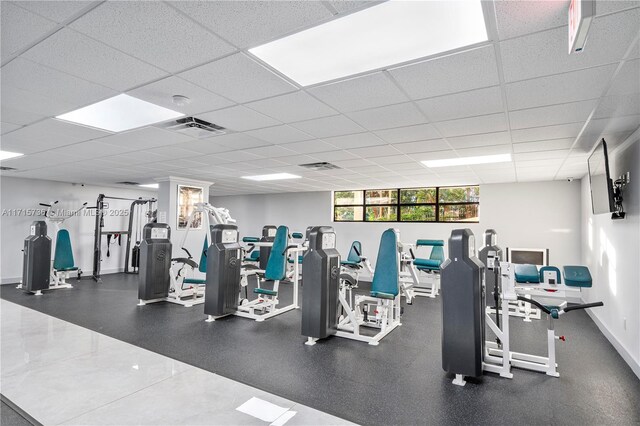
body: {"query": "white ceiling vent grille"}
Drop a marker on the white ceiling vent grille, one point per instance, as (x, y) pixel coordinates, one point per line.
(193, 127)
(319, 166)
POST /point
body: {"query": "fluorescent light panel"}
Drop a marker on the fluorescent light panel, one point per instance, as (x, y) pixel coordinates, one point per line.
(274, 176)
(150, 185)
(5, 155)
(465, 161)
(377, 37)
(120, 113)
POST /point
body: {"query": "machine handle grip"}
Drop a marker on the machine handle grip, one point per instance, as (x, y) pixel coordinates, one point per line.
(189, 254)
(413, 256)
(289, 248)
(585, 306)
(536, 303)
(357, 251)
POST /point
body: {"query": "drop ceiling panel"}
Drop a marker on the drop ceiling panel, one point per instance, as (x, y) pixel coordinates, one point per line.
(163, 37)
(369, 91)
(458, 72)
(545, 53)
(239, 78)
(618, 105)
(57, 11)
(311, 147)
(147, 137)
(237, 141)
(613, 125)
(56, 132)
(8, 127)
(375, 151)
(484, 139)
(485, 150)
(239, 118)
(392, 116)
(250, 23)
(627, 81)
(78, 55)
(271, 151)
(203, 146)
(280, 134)
(516, 18)
(88, 150)
(293, 107)
(551, 115)
(561, 88)
(420, 132)
(21, 28)
(18, 116)
(465, 104)
(332, 155)
(173, 151)
(474, 125)
(355, 141)
(560, 131)
(336, 125)
(411, 148)
(547, 145)
(162, 91)
(28, 105)
(541, 155)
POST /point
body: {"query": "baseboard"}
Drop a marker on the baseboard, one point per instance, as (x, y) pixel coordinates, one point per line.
(635, 366)
(16, 280)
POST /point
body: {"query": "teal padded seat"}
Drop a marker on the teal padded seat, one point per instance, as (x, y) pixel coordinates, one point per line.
(553, 269)
(435, 258)
(353, 258)
(386, 281)
(197, 281)
(527, 274)
(277, 263)
(63, 259)
(577, 276)
(265, 291)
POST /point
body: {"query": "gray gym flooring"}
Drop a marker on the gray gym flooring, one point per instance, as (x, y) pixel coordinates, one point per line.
(398, 382)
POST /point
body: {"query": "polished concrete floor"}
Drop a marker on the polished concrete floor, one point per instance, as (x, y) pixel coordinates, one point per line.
(398, 382)
(61, 373)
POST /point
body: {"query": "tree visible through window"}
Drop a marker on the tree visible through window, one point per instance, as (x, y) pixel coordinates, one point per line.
(429, 204)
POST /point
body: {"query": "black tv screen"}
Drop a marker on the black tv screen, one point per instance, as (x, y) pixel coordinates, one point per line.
(600, 180)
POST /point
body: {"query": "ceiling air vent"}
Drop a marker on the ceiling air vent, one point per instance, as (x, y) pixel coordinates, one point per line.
(194, 127)
(7, 169)
(126, 182)
(320, 166)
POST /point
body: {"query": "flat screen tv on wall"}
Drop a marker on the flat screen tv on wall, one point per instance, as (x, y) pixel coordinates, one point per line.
(602, 200)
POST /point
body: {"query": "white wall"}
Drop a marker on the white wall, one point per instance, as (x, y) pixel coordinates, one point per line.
(611, 250)
(532, 215)
(17, 193)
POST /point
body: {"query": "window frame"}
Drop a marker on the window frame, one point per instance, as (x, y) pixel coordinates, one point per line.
(399, 204)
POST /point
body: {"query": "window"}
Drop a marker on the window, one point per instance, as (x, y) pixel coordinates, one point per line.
(429, 204)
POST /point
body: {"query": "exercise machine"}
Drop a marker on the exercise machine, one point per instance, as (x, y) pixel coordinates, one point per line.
(429, 280)
(465, 351)
(223, 281)
(140, 213)
(259, 248)
(36, 274)
(133, 229)
(491, 255)
(155, 262)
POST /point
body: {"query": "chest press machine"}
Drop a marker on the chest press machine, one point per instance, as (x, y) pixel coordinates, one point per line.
(465, 351)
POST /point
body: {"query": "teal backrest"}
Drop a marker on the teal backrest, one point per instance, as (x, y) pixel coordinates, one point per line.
(437, 253)
(430, 243)
(356, 248)
(64, 255)
(202, 267)
(277, 263)
(386, 276)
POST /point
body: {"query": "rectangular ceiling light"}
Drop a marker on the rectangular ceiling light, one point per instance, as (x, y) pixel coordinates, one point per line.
(274, 176)
(465, 161)
(5, 155)
(120, 113)
(390, 33)
(150, 185)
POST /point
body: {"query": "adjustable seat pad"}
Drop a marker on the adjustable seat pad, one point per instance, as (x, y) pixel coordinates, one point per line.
(435, 258)
(386, 281)
(353, 259)
(577, 276)
(251, 240)
(527, 274)
(63, 258)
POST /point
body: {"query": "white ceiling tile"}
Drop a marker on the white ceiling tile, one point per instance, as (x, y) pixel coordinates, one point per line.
(271, 151)
(240, 155)
(351, 164)
(250, 23)
(161, 93)
(484, 139)
(56, 133)
(590, 137)
(399, 115)
(465, 104)
(551, 115)
(355, 141)
(369, 91)
(410, 148)
(618, 105)
(336, 125)
(239, 78)
(21, 28)
(203, 146)
(147, 137)
(342, 6)
(627, 81)
(296, 160)
(613, 125)
(239, 118)
(89, 149)
(173, 151)
(546, 145)
(485, 150)
(458, 72)
(560, 131)
(26, 106)
(58, 11)
(78, 55)
(280, 134)
(8, 127)
(162, 36)
(561, 88)
(393, 159)
(48, 82)
(297, 106)
(420, 132)
(474, 125)
(333, 155)
(611, 6)
(545, 53)
(541, 155)
(515, 18)
(375, 151)
(311, 147)
(237, 141)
